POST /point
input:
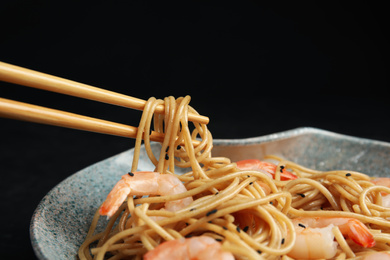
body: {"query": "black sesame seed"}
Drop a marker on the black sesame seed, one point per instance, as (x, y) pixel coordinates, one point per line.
(245, 228)
(225, 228)
(192, 209)
(178, 147)
(238, 229)
(282, 241)
(251, 183)
(216, 193)
(271, 203)
(166, 150)
(301, 225)
(218, 239)
(348, 174)
(211, 212)
(131, 174)
(166, 157)
(301, 194)
(258, 251)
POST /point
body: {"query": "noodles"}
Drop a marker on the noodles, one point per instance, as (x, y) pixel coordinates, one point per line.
(247, 211)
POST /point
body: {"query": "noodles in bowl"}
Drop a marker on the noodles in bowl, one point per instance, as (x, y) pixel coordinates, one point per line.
(249, 213)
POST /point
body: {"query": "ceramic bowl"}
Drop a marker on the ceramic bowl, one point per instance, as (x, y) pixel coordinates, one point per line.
(61, 220)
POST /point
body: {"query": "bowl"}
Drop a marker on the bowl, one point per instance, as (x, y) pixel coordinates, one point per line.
(61, 220)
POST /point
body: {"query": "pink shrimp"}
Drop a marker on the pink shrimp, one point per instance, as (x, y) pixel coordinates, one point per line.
(377, 256)
(195, 248)
(245, 218)
(145, 183)
(383, 181)
(315, 238)
(254, 164)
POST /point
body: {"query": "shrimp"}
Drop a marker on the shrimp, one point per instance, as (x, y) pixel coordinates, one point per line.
(244, 218)
(200, 248)
(145, 183)
(315, 238)
(383, 181)
(377, 256)
(269, 168)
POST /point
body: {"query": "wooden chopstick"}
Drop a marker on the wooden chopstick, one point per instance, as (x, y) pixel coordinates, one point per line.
(37, 114)
(30, 78)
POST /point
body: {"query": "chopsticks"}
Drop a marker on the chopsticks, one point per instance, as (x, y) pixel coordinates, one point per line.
(30, 78)
(27, 112)
(37, 114)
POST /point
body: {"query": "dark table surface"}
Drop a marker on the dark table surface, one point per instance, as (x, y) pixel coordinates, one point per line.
(253, 68)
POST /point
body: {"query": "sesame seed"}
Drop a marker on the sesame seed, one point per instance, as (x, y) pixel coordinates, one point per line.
(166, 157)
(282, 241)
(245, 228)
(301, 194)
(131, 174)
(348, 174)
(301, 225)
(211, 212)
(238, 229)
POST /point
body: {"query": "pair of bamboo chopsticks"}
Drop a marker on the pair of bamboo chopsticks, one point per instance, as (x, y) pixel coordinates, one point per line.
(32, 113)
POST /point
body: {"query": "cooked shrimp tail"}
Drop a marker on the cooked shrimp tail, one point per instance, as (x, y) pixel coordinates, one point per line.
(312, 232)
(145, 183)
(358, 232)
(200, 248)
(116, 197)
(270, 168)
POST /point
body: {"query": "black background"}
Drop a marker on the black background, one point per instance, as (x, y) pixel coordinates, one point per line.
(254, 68)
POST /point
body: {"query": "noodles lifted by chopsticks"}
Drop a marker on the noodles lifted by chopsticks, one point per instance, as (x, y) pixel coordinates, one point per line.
(250, 214)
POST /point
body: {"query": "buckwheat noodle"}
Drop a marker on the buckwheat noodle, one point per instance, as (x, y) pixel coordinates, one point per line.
(229, 204)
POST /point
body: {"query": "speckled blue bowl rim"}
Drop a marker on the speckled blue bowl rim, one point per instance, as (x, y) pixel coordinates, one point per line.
(40, 216)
